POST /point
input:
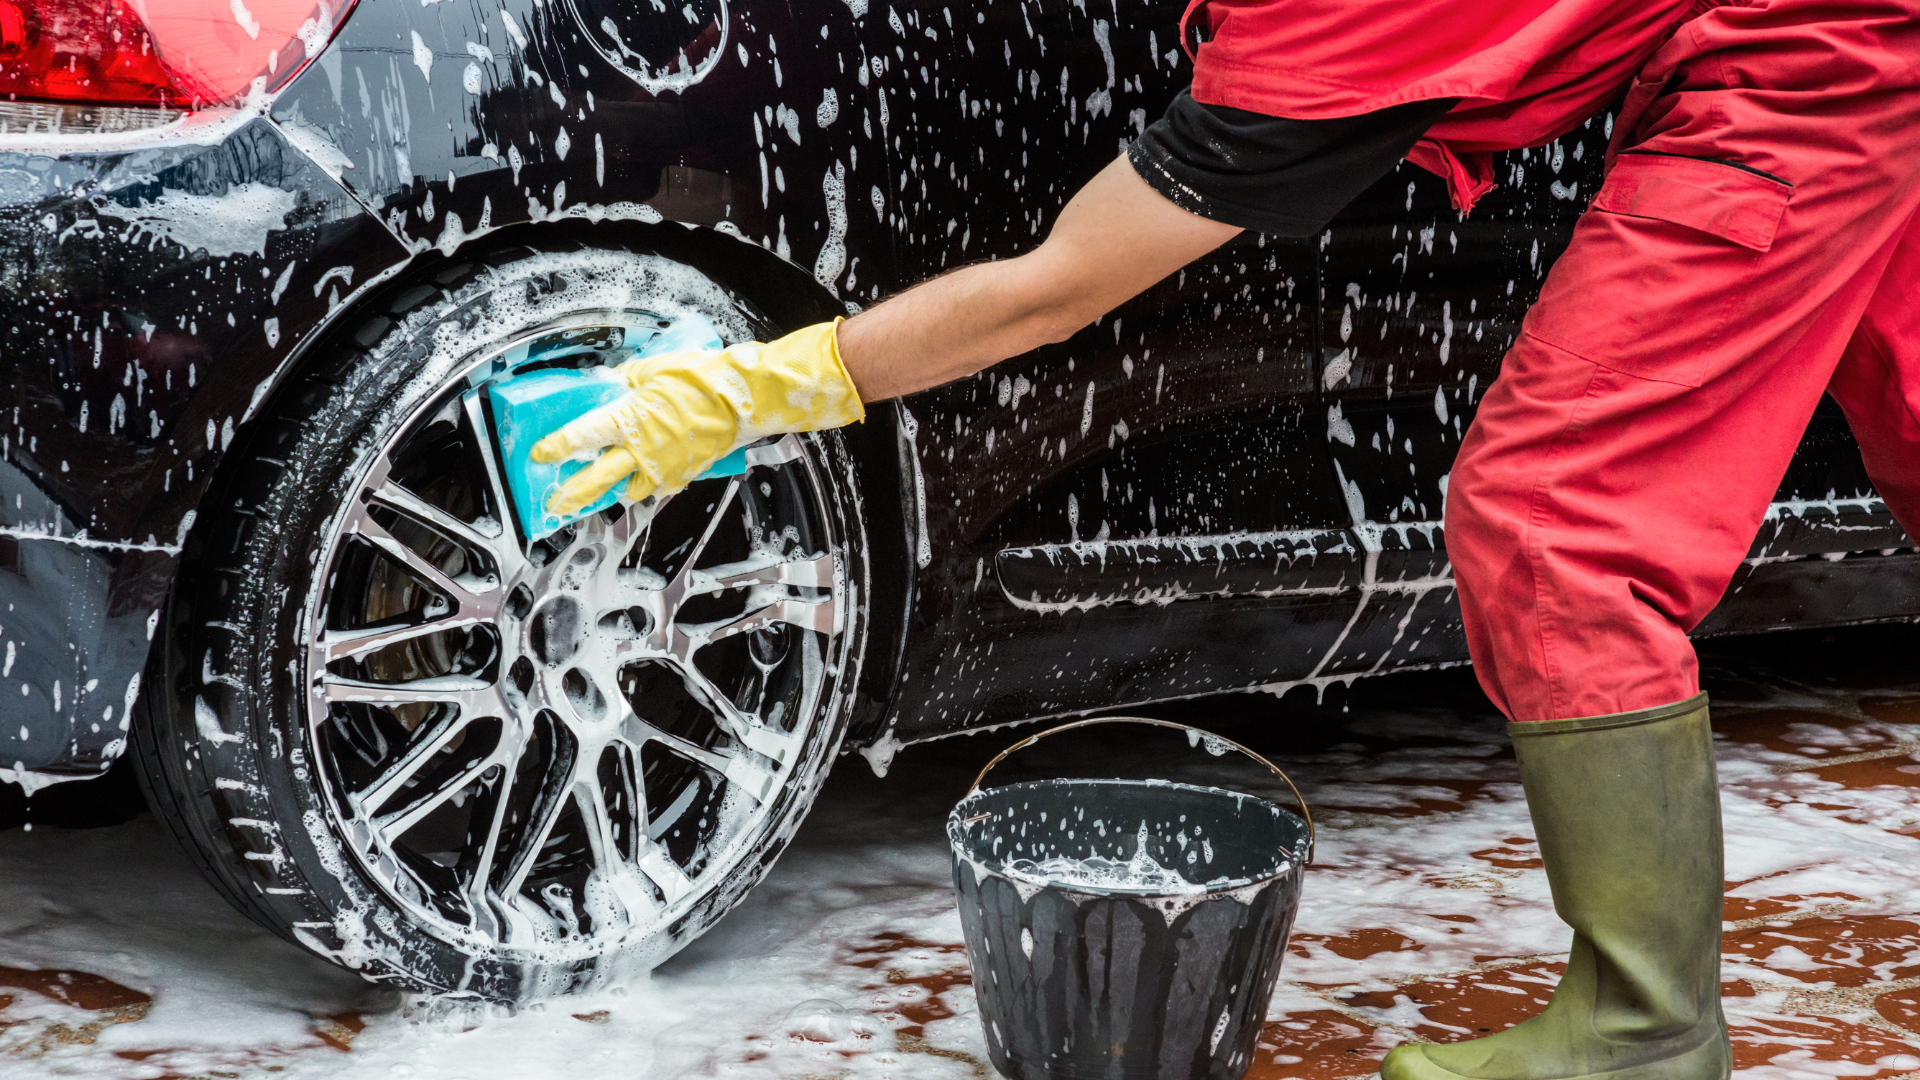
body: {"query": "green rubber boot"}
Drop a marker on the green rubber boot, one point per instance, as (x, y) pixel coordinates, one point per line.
(1627, 811)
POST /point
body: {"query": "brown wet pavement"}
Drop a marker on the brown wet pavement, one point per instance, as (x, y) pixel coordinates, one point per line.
(1426, 914)
(50, 1012)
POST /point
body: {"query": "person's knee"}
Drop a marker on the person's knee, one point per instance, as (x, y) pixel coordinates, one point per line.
(1485, 520)
(1473, 491)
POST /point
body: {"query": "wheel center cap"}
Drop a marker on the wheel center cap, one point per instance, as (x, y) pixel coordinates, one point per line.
(582, 622)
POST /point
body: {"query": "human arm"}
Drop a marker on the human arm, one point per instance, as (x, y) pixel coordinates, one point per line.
(1115, 239)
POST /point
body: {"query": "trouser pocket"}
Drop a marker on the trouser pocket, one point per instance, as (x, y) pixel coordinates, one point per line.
(1660, 263)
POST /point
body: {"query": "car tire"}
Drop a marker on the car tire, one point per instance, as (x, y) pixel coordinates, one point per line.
(387, 737)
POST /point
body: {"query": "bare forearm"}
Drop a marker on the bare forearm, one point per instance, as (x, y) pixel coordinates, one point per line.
(953, 326)
(1114, 239)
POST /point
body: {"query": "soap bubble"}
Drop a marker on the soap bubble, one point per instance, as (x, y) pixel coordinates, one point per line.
(820, 1020)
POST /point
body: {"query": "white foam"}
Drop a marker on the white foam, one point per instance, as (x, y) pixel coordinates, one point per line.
(220, 225)
(1141, 873)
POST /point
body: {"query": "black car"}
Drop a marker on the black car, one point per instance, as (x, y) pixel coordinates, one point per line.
(267, 261)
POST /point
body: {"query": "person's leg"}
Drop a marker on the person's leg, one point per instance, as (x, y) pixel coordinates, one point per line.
(1617, 472)
(1878, 383)
(1620, 465)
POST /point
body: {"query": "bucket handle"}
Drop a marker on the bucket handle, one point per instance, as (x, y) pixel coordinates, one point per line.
(1305, 813)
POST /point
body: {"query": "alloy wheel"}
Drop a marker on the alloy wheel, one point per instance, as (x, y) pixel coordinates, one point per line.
(568, 741)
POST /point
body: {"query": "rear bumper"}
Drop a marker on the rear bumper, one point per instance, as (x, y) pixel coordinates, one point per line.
(153, 286)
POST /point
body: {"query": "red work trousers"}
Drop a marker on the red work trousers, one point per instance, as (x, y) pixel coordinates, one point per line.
(1755, 243)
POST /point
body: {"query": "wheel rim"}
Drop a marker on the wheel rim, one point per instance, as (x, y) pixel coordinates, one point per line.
(570, 742)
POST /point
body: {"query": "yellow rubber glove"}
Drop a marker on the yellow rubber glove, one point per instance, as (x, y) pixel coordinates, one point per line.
(688, 410)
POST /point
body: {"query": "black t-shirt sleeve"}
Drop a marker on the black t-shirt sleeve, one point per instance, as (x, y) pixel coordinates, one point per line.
(1268, 173)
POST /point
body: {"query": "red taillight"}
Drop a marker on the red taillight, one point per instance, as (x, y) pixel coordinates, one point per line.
(170, 54)
(221, 46)
(93, 53)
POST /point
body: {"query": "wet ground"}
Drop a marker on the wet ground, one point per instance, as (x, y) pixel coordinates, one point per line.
(1425, 916)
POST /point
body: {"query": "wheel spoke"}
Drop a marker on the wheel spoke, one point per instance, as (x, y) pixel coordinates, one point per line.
(754, 735)
(419, 750)
(622, 534)
(617, 870)
(478, 892)
(479, 436)
(660, 868)
(399, 499)
(514, 740)
(815, 573)
(636, 733)
(346, 644)
(599, 822)
(816, 615)
(475, 696)
(395, 825)
(768, 742)
(740, 769)
(779, 452)
(467, 599)
(652, 860)
(699, 548)
(555, 793)
(751, 777)
(633, 790)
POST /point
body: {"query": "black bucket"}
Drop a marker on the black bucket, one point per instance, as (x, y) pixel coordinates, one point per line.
(1100, 965)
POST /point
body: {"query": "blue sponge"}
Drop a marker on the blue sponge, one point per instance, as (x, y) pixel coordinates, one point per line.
(528, 408)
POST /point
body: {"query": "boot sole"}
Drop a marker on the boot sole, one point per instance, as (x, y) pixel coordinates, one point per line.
(1709, 1060)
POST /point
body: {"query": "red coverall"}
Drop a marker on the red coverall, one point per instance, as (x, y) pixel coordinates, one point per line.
(1755, 243)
